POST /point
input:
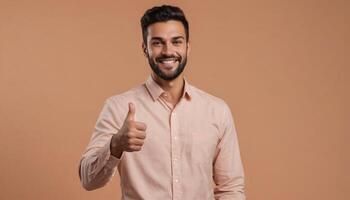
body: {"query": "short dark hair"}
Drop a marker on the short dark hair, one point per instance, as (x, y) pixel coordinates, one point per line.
(162, 14)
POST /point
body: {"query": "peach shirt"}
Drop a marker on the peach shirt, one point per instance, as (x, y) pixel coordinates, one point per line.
(191, 150)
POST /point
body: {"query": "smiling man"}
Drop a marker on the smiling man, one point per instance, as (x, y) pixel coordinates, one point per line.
(166, 138)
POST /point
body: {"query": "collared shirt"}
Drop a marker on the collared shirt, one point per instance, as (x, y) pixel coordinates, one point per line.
(190, 152)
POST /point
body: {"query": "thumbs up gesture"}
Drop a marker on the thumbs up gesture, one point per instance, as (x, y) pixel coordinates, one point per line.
(130, 137)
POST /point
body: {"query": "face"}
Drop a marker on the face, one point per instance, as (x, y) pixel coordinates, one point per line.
(167, 49)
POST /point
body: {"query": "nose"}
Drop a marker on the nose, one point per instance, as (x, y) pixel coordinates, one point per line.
(167, 49)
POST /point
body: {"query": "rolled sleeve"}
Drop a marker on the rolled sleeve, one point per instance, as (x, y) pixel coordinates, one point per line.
(228, 169)
(97, 165)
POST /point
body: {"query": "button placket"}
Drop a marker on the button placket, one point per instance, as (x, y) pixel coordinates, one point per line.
(175, 157)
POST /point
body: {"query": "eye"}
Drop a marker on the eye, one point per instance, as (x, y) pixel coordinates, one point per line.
(177, 42)
(156, 43)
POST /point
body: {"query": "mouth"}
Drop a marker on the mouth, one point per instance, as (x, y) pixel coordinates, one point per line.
(167, 61)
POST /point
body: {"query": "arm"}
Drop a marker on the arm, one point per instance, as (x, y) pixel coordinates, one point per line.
(97, 165)
(228, 169)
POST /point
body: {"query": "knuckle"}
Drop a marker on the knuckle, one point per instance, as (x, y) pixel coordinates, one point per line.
(130, 141)
(130, 134)
(135, 148)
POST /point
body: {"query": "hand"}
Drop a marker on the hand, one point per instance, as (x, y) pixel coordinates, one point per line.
(130, 137)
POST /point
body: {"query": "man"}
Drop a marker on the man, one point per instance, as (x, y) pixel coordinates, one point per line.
(166, 138)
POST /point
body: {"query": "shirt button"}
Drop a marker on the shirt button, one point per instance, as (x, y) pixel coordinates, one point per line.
(176, 180)
(175, 138)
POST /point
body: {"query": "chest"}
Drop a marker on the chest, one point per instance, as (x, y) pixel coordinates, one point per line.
(188, 133)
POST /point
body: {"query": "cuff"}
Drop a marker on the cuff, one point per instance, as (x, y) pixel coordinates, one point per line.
(108, 159)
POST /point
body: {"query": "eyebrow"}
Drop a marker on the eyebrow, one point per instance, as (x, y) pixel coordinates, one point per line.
(174, 38)
(178, 37)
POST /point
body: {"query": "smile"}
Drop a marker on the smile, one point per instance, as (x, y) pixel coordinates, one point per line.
(167, 60)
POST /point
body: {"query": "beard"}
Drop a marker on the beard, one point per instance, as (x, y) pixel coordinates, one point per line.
(168, 77)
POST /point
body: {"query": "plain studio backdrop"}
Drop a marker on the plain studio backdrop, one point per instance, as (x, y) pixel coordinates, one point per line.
(280, 65)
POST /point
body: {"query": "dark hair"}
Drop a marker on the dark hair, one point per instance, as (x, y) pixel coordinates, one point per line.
(162, 14)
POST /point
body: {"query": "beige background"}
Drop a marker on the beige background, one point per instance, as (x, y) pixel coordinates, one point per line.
(280, 65)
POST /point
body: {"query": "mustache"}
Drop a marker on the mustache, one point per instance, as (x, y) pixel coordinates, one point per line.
(169, 57)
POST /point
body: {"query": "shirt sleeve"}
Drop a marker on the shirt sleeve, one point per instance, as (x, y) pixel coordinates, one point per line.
(97, 165)
(228, 170)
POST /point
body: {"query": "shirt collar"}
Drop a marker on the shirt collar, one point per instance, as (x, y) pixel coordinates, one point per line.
(155, 90)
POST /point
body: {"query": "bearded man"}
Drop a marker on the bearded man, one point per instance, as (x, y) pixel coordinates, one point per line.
(167, 138)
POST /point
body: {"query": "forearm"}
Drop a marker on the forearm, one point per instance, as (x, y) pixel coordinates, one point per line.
(97, 167)
(228, 169)
(232, 189)
(229, 174)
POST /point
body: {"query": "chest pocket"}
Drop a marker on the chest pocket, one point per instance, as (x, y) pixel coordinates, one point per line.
(201, 141)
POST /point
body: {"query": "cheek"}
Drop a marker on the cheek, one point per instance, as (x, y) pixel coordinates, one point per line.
(182, 51)
(153, 53)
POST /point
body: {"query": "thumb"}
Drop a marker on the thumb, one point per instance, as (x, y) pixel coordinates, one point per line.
(131, 113)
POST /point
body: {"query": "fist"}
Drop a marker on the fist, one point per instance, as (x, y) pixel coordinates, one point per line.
(131, 136)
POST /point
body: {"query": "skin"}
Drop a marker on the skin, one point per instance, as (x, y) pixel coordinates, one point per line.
(166, 51)
(167, 39)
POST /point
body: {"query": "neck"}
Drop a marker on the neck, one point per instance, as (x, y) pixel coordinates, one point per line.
(173, 87)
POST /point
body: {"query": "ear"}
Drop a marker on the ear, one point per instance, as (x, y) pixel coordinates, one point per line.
(144, 49)
(188, 47)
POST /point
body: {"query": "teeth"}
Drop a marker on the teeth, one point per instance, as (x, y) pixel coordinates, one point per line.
(168, 61)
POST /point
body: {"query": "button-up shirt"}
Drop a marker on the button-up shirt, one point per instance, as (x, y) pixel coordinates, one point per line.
(190, 151)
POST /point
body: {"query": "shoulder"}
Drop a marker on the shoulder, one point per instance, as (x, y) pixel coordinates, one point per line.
(117, 105)
(208, 99)
(127, 96)
(216, 107)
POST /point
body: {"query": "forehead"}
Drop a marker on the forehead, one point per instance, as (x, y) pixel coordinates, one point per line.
(168, 29)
